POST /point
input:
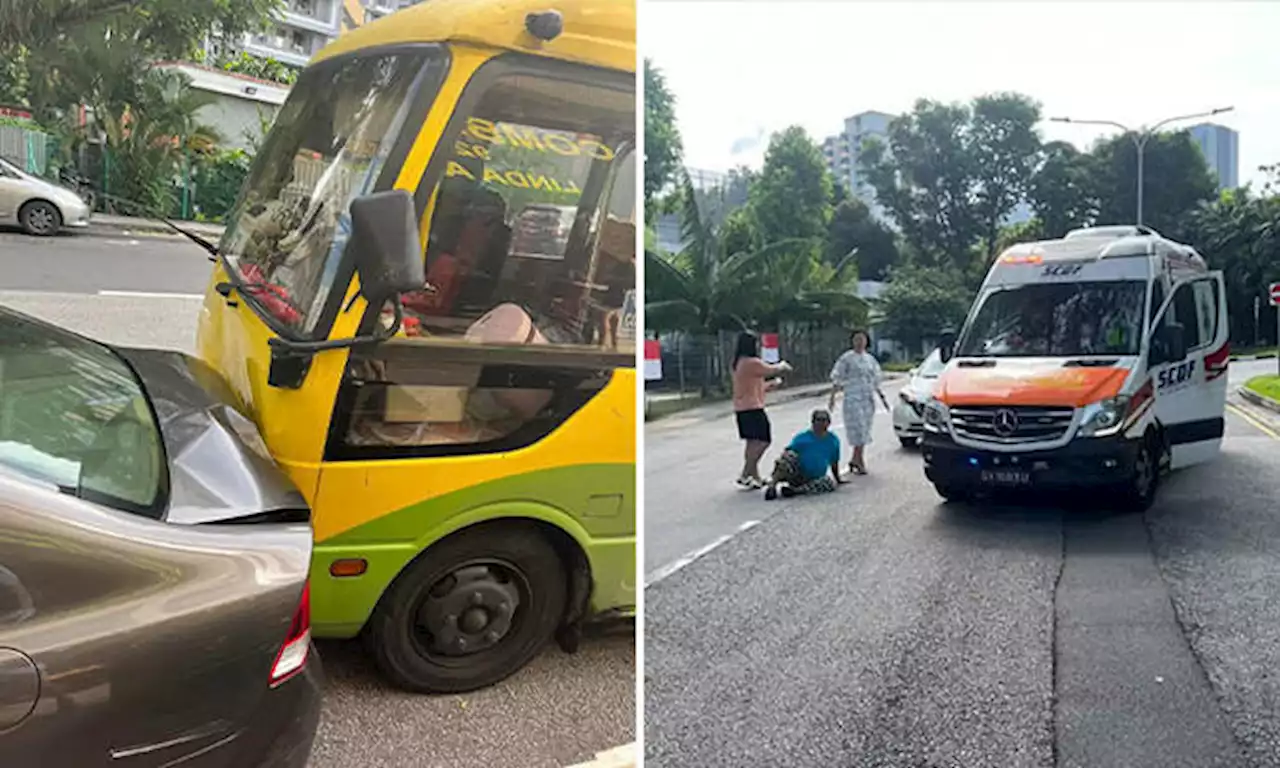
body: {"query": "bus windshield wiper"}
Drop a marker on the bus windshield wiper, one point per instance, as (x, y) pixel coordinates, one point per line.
(209, 247)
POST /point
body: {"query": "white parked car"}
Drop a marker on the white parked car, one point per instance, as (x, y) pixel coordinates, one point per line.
(908, 412)
(40, 207)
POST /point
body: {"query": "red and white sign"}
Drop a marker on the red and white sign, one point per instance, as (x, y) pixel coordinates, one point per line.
(652, 360)
(1275, 294)
(769, 347)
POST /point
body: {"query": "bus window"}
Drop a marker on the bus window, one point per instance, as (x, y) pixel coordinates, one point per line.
(535, 210)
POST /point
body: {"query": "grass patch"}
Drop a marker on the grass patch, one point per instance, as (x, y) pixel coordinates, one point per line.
(898, 367)
(1267, 386)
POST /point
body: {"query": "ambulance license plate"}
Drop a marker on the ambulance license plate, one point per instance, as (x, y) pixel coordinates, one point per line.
(1006, 477)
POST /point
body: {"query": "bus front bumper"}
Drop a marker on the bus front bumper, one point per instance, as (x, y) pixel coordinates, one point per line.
(1081, 463)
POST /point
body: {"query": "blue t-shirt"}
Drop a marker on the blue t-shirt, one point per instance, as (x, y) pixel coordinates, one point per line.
(817, 454)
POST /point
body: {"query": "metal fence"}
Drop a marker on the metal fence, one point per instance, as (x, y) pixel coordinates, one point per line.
(29, 150)
(701, 364)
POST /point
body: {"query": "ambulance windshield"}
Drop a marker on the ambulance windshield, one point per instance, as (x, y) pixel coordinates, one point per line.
(1058, 320)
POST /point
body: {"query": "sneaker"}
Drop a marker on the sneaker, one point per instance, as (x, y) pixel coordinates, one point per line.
(788, 492)
(770, 493)
(756, 483)
(744, 483)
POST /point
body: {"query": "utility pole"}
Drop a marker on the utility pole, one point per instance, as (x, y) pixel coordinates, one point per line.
(1140, 137)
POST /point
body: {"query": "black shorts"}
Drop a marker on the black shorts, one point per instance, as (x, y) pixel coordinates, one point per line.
(754, 425)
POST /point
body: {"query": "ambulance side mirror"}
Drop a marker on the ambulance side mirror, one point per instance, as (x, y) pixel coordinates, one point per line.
(946, 345)
(388, 254)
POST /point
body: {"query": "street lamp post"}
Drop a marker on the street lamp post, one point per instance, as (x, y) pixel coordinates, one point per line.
(1140, 136)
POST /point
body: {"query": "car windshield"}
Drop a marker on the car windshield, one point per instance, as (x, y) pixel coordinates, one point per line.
(328, 145)
(1058, 320)
(73, 415)
(932, 366)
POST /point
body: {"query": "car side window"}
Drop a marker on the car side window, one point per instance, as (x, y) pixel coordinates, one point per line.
(73, 415)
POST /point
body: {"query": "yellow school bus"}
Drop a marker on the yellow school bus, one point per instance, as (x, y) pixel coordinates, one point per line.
(424, 298)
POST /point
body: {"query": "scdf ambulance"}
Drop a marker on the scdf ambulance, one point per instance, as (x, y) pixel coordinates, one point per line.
(1098, 360)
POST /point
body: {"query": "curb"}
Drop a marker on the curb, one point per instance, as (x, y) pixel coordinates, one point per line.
(618, 757)
(1260, 400)
(147, 228)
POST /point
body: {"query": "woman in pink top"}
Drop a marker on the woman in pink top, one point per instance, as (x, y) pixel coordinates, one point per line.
(752, 377)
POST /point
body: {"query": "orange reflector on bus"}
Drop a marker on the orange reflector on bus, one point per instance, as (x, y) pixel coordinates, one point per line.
(352, 567)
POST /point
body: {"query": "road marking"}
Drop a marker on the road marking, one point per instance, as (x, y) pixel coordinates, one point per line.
(150, 295)
(1268, 431)
(675, 565)
(618, 757)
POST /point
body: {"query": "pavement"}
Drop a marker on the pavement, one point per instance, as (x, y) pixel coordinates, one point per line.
(560, 710)
(877, 627)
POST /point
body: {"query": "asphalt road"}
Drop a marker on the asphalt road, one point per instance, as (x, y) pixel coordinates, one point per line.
(877, 627)
(561, 709)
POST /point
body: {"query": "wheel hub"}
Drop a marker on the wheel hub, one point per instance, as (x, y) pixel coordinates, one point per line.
(469, 611)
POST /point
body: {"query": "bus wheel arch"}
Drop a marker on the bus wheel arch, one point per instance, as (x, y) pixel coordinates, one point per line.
(432, 631)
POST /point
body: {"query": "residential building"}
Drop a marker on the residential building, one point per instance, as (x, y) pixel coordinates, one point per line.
(241, 105)
(1221, 148)
(842, 153)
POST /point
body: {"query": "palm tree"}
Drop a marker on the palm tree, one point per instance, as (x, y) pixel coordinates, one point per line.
(704, 289)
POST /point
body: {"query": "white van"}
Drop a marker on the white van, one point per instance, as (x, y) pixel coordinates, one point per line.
(1098, 360)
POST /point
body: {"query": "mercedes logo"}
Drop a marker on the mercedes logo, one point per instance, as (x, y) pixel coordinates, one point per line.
(1005, 422)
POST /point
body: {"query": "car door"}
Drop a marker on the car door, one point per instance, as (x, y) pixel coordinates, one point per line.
(1191, 390)
(13, 191)
(125, 639)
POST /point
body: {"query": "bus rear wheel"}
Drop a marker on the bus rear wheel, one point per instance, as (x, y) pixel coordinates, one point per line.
(471, 611)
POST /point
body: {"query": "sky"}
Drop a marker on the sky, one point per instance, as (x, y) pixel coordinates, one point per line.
(742, 70)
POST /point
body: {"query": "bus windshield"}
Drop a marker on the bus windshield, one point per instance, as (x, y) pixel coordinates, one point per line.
(328, 145)
(1058, 320)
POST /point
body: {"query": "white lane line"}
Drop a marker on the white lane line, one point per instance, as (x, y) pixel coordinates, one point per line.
(664, 571)
(150, 295)
(619, 757)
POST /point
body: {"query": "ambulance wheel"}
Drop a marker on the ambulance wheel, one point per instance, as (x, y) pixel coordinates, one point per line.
(1139, 492)
(470, 611)
(955, 494)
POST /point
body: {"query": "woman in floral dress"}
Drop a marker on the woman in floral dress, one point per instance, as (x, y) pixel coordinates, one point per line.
(857, 374)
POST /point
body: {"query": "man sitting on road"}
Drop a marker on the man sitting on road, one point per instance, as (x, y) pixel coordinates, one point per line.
(802, 467)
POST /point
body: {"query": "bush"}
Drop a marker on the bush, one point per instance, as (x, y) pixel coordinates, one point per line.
(218, 179)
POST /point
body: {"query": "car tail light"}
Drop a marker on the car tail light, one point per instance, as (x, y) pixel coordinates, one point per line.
(292, 656)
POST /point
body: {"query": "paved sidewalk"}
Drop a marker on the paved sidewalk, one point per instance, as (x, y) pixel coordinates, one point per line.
(722, 408)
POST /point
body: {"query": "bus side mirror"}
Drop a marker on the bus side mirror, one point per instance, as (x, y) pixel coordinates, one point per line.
(384, 234)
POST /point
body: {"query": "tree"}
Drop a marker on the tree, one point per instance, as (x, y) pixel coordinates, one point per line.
(791, 198)
(1063, 192)
(854, 230)
(1239, 233)
(920, 302)
(1177, 182)
(949, 174)
(923, 177)
(1005, 149)
(100, 50)
(662, 145)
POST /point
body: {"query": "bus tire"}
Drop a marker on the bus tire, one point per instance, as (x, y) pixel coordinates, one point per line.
(471, 610)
